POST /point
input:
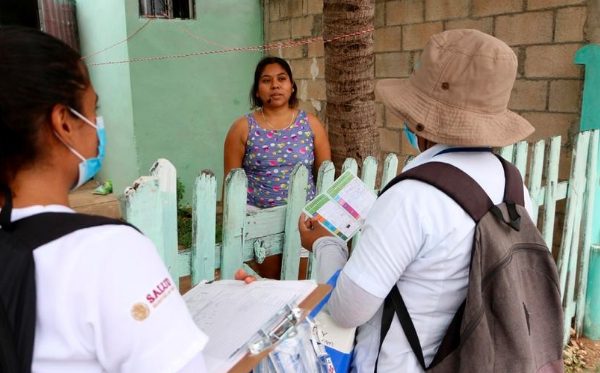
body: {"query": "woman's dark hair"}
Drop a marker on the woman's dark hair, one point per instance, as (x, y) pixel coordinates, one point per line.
(37, 72)
(260, 67)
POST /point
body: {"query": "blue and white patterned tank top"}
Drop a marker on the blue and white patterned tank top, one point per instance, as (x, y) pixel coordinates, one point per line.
(271, 156)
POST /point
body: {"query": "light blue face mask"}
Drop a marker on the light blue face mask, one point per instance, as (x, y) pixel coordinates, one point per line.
(411, 137)
(88, 168)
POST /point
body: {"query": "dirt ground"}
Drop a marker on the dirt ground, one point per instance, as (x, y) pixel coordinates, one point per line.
(592, 349)
(582, 355)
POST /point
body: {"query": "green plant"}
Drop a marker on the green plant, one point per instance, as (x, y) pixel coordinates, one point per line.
(184, 220)
(180, 192)
(184, 227)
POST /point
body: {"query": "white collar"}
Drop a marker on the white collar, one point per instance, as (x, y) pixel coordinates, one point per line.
(425, 156)
(23, 212)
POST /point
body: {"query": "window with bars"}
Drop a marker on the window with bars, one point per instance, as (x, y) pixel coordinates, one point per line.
(183, 9)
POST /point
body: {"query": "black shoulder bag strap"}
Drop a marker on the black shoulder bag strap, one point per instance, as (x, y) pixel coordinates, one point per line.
(37, 230)
(467, 193)
(18, 315)
(513, 195)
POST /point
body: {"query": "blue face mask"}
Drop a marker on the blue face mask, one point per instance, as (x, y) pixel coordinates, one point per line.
(411, 137)
(88, 168)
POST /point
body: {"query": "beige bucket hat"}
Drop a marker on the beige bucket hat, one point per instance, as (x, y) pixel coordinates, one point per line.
(459, 94)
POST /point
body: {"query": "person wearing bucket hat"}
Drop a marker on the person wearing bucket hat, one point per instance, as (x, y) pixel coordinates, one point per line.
(417, 238)
(459, 95)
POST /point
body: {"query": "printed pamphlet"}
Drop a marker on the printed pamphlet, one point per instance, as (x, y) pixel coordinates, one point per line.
(343, 207)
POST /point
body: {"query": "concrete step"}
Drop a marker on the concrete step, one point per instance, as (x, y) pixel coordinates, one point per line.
(84, 201)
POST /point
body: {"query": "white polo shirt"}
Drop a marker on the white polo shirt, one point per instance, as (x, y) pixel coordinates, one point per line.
(106, 303)
(419, 239)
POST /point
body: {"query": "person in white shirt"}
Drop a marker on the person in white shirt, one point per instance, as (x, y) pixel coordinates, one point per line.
(105, 301)
(454, 108)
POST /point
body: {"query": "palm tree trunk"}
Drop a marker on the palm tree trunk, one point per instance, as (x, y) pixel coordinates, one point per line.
(349, 77)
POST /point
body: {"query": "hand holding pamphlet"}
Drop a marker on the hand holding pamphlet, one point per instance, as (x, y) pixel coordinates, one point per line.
(343, 207)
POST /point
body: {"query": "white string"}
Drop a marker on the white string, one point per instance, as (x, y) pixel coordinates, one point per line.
(257, 48)
(119, 43)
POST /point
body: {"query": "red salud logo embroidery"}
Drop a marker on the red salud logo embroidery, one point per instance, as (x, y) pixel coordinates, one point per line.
(159, 292)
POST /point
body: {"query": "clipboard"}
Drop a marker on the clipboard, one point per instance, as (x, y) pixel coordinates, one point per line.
(249, 361)
(239, 318)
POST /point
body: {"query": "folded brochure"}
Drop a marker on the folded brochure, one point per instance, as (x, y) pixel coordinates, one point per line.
(343, 207)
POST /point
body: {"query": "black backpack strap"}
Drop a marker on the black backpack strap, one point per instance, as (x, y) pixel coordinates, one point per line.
(394, 302)
(8, 353)
(6, 208)
(513, 189)
(513, 195)
(37, 230)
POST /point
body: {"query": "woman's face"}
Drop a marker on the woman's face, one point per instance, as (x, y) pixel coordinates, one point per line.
(274, 86)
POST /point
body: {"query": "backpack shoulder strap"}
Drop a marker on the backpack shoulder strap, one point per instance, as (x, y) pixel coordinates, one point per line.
(513, 189)
(452, 181)
(37, 230)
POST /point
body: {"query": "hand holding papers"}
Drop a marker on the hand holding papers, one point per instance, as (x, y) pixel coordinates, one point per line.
(232, 312)
(343, 207)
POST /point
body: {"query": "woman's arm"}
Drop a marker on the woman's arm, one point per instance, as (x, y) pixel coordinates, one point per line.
(331, 255)
(235, 145)
(322, 149)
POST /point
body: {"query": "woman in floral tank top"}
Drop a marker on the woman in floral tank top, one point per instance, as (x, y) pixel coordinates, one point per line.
(268, 142)
(270, 157)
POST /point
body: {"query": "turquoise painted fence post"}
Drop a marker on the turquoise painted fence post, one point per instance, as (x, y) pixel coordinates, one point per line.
(390, 169)
(234, 222)
(204, 222)
(325, 178)
(589, 56)
(591, 323)
(368, 176)
(144, 209)
(291, 243)
(369, 172)
(520, 161)
(350, 164)
(535, 178)
(569, 254)
(584, 265)
(167, 182)
(551, 191)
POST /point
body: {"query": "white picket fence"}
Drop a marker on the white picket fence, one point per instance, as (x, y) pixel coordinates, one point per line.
(150, 204)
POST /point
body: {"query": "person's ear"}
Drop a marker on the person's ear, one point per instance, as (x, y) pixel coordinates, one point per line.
(424, 144)
(62, 122)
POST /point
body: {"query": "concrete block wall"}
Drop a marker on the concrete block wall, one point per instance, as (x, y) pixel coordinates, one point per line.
(545, 34)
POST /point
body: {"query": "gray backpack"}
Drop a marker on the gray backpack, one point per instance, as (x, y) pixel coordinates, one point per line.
(511, 319)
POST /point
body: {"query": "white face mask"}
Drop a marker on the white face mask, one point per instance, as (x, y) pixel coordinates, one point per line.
(88, 168)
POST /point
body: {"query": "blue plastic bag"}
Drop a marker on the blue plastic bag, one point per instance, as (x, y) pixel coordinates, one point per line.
(338, 342)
